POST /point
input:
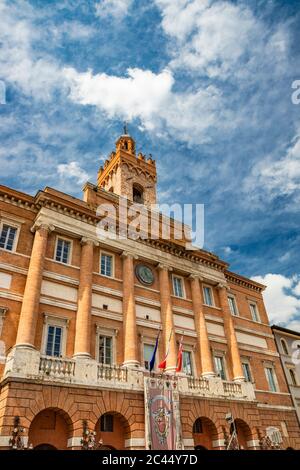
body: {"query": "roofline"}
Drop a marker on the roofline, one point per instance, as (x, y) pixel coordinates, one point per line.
(285, 330)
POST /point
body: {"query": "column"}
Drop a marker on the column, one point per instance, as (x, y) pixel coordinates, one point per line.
(234, 354)
(129, 313)
(32, 292)
(207, 366)
(82, 347)
(167, 317)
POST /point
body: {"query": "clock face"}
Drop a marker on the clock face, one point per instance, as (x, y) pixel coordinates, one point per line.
(144, 274)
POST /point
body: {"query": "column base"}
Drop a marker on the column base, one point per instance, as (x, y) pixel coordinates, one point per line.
(81, 356)
(239, 379)
(22, 361)
(208, 375)
(131, 364)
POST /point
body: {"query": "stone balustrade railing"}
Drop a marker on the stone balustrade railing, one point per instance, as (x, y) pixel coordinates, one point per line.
(29, 363)
(57, 367)
(111, 373)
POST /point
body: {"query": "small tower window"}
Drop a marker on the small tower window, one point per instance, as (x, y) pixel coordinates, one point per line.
(137, 194)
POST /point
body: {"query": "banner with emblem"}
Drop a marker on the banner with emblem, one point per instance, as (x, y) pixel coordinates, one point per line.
(163, 428)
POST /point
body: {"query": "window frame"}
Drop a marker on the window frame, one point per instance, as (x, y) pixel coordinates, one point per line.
(148, 343)
(70, 254)
(56, 321)
(181, 278)
(232, 297)
(284, 349)
(13, 224)
(254, 303)
(207, 286)
(292, 370)
(107, 253)
(190, 351)
(221, 356)
(102, 417)
(247, 362)
(108, 332)
(275, 381)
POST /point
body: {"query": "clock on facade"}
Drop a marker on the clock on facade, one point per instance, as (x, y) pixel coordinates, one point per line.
(144, 274)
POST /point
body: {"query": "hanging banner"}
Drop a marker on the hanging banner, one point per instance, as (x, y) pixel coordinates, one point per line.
(163, 427)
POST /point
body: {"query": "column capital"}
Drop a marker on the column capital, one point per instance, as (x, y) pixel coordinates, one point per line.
(222, 285)
(194, 277)
(42, 225)
(128, 254)
(165, 267)
(88, 241)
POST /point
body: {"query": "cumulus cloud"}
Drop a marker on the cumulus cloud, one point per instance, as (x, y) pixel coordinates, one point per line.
(279, 178)
(282, 299)
(219, 39)
(34, 74)
(141, 94)
(113, 8)
(72, 170)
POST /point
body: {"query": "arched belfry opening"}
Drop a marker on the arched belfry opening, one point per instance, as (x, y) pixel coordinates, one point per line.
(137, 194)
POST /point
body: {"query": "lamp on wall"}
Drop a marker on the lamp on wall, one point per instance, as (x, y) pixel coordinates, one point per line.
(88, 441)
(16, 442)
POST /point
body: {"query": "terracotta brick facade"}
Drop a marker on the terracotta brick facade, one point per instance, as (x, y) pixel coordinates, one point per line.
(53, 395)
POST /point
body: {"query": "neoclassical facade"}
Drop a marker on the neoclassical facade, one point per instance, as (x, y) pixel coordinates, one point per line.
(80, 314)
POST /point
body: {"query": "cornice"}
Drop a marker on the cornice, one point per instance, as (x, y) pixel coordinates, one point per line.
(244, 281)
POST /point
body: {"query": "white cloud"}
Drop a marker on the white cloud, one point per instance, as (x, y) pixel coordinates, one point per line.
(281, 298)
(114, 8)
(280, 178)
(220, 39)
(72, 170)
(141, 94)
(33, 74)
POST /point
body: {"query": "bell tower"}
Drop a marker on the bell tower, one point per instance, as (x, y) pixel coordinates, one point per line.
(128, 175)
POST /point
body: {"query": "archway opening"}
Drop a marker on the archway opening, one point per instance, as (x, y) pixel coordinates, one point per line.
(204, 433)
(51, 427)
(112, 430)
(243, 433)
(44, 447)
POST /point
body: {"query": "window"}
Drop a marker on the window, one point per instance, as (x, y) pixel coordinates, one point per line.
(107, 423)
(271, 379)
(284, 347)
(293, 377)
(63, 251)
(178, 286)
(187, 362)
(197, 427)
(105, 350)
(148, 353)
(247, 371)
(54, 341)
(137, 194)
(232, 305)
(106, 265)
(254, 312)
(8, 237)
(220, 368)
(208, 299)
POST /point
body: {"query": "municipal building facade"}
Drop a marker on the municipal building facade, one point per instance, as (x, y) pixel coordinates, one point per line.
(80, 314)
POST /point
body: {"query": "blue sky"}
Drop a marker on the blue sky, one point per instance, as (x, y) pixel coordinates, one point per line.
(206, 88)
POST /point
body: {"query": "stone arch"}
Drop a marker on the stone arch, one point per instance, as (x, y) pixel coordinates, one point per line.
(244, 434)
(113, 430)
(205, 433)
(51, 426)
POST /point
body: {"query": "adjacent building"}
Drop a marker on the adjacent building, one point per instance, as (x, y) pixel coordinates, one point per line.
(288, 346)
(80, 314)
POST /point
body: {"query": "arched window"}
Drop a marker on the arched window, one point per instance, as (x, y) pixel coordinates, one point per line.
(293, 377)
(284, 346)
(137, 194)
(197, 427)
